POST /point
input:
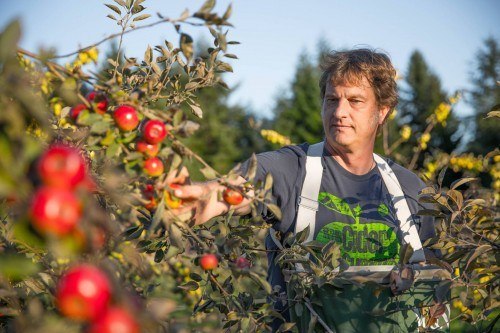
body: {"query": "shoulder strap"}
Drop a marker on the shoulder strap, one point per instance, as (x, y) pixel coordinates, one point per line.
(308, 200)
(410, 233)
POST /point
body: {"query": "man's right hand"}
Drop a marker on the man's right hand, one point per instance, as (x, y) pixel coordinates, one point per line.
(202, 199)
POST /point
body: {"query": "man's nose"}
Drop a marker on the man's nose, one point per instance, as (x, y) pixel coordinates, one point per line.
(341, 108)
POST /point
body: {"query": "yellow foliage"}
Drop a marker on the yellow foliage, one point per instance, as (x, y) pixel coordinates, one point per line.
(275, 137)
(405, 133)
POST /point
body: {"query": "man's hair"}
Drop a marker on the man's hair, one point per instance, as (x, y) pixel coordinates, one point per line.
(349, 67)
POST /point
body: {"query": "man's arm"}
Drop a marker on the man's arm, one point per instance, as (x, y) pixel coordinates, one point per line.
(202, 200)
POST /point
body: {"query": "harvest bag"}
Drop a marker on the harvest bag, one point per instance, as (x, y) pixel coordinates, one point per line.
(369, 307)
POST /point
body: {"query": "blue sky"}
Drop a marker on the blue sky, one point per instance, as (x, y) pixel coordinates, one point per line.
(274, 33)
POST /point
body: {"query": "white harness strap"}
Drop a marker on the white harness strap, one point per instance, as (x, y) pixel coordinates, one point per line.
(408, 229)
(308, 201)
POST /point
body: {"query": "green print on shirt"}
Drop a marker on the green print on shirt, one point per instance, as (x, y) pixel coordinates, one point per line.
(362, 244)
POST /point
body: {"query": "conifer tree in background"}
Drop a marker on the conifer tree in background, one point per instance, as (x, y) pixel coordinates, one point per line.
(485, 96)
(225, 136)
(421, 94)
(298, 115)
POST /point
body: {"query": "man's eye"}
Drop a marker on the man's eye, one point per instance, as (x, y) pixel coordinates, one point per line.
(355, 101)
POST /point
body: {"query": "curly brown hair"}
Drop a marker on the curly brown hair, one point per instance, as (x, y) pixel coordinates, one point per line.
(349, 67)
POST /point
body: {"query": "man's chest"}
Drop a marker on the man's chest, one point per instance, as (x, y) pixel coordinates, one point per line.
(358, 214)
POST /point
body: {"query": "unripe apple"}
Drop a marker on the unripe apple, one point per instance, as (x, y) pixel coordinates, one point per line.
(209, 261)
(242, 263)
(76, 110)
(153, 167)
(148, 149)
(154, 131)
(83, 293)
(61, 166)
(98, 100)
(55, 211)
(115, 320)
(232, 197)
(126, 117)
(171, 200)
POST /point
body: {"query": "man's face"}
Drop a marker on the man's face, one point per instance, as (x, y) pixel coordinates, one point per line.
(351, 116)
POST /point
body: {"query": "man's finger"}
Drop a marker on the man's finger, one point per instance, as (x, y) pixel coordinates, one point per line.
(178, 176)
(189, 192)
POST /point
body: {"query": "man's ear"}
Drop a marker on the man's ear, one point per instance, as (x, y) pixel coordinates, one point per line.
(383, 112)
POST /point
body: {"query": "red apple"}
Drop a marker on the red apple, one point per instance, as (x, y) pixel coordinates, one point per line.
(148, 149)
(55, 211)
(98, 100)
(232, 197)
(83, 293)
(209, 261)
(149, 194)
(62, 166)
(154, 131)
(115, 320)
(243, 263)
(126, 117)
(76, 110)
(153, 167)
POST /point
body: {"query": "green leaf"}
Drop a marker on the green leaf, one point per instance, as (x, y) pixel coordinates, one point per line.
(17, 267)
(99, 127)
(113, 150)
(228, 12)
(175, 235)
(85, 118)
(261, 281)
(252, 168)
(275, 210)
(195, 277)
(209, 173)
(225, 67)
(230, 55)
(197, 111)
(268, 184)
(190, 286)
(159, 255)
(186, 44)
(158, 215)
(121, 3)
(477, 252)
(207, 6)
(133, 232)
(141, 17)
(114, 8)
(148, 55)
(462, 181)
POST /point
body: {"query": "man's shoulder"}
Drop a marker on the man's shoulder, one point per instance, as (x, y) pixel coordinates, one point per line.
(284, 154)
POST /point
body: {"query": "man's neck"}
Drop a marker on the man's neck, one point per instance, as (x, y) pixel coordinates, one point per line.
(357, 162)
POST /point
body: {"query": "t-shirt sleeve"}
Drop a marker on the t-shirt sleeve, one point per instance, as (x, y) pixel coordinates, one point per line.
(283, 165)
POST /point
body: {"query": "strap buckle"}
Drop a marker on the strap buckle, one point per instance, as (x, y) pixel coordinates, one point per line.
(308, 203)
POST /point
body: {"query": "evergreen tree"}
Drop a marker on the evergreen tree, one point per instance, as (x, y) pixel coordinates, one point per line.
(225, 136)
(485, 95)
(298, 115)
(420, 99)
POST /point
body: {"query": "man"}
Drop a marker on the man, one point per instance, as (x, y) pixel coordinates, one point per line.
(354, 206)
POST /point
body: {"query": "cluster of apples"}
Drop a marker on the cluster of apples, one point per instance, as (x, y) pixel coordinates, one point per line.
(84, 294)
(55, 207)
(127, 119)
